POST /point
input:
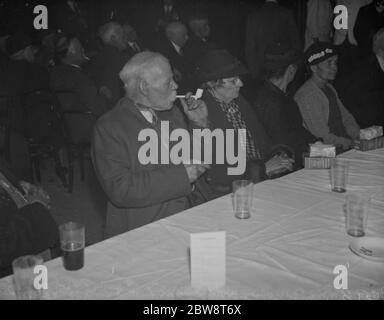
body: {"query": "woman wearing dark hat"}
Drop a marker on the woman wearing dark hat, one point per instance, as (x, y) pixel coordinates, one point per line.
(219, 73)
(323, 113)
(278, 111)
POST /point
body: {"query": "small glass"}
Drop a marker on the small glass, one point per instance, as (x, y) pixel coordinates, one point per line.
(72, 240)
(339, 175)
(242, 198)
(356, 214)
(24, 277)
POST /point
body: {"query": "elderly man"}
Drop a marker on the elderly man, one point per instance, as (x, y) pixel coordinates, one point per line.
(134, 45)
(324, 115)
(362, 91)
(106, 65)
(176, 36)
(198, 43)
(140, 193)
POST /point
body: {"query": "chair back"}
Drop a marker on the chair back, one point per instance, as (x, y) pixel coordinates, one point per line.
(9, 106)
(78, 123)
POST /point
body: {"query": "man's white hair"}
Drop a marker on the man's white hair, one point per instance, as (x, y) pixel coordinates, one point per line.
(139, 68)
(108, 30)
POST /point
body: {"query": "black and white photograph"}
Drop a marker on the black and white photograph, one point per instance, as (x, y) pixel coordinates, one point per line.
(210, 151)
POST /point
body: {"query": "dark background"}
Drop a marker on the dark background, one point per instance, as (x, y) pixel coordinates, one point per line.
(227, 17)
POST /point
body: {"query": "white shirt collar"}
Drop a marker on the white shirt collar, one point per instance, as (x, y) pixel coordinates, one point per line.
(147, 115)
(381, 62)
(178, 48)
(76, 66)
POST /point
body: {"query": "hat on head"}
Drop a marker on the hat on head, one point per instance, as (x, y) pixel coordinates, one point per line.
(218, 64)
(279, 57)
(318, 52)
(17, 42)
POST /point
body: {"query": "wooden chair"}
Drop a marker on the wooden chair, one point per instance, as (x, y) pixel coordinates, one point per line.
(78, 127)
(7, 103)
(44, 132)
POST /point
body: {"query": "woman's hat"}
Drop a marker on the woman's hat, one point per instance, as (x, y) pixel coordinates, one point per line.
(318, 52)
(218, 64)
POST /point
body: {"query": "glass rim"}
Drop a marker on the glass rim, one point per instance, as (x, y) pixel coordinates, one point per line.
(27, 261)
(71, 225)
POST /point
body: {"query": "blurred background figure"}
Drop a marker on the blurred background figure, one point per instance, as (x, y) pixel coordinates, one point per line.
(165, 13)
(369, 20)
(319, 22)
(134, 44)
(172, 47)
(362, 89)
(345, 40)
(106, 65)
(199, 42)
(269, 25)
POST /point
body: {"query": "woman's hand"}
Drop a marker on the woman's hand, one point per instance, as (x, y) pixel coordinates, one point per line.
(36, 194)
(195, 110)
(278, 164)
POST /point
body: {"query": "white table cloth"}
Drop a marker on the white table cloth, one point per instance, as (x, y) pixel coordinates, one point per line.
(288, 249)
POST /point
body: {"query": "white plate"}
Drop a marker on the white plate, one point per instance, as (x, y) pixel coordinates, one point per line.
(368, 248)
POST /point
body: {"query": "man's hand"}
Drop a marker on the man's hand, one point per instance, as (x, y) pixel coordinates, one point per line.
(195, 110)
(36, 194)
(194, 171)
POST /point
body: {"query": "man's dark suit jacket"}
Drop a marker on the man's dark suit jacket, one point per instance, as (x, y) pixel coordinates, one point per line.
(282, 119)
(269, 25)
(138, 193)
(29, 230)
(195, 48)
(368, 22)
(362, 93)
(181, 63)
(105, 67)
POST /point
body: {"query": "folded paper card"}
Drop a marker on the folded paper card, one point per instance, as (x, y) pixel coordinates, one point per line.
(371, 133)
(319, 149)
(208, 260)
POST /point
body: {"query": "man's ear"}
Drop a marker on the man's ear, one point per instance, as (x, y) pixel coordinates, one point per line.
(313, 68)
(143, 87)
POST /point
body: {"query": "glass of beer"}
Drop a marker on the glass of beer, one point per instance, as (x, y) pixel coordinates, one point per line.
(72, 240)
(339, 175)
(242, 198)
(25, 276)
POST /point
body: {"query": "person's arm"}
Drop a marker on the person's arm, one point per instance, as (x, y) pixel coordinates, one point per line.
(315, 120)
(274, 122)
(349, 122)
(127, 186)
(29, 230)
